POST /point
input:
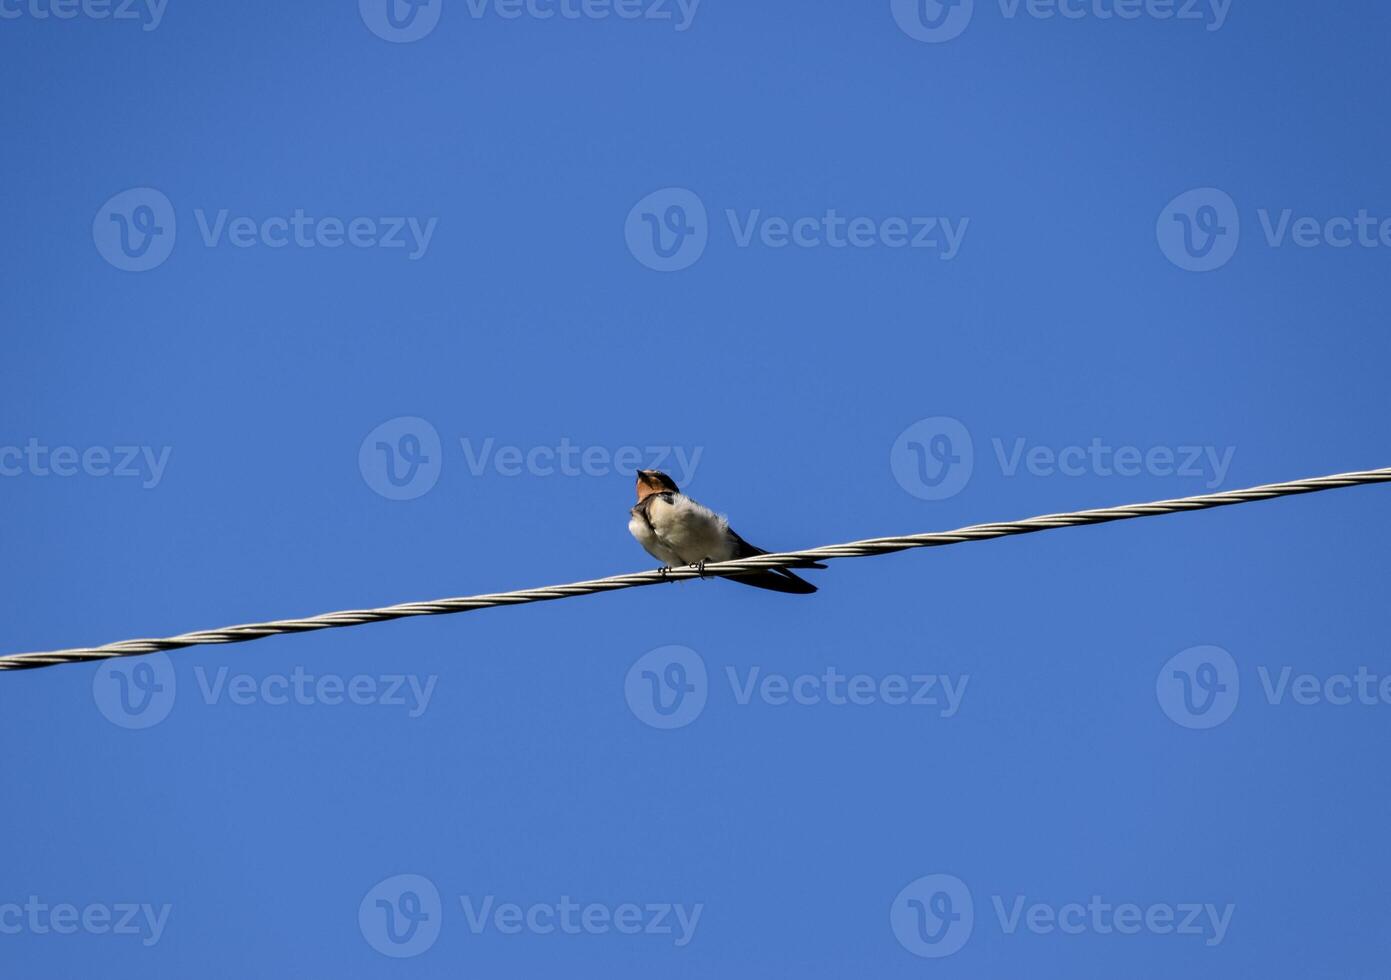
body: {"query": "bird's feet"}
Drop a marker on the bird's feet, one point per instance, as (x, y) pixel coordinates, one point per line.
(663, 570)
(699, 566)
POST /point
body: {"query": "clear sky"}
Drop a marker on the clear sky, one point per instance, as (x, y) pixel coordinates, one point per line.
(324, 306)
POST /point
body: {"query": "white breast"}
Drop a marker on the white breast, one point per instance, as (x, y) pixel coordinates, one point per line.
(638, 528)
(690, 531)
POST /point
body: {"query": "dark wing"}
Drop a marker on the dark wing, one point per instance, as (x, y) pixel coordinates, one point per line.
(774, 579)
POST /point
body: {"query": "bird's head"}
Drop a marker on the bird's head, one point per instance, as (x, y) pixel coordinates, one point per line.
(654, 481)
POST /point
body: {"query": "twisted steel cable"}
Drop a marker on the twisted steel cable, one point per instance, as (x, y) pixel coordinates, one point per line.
(788, 559)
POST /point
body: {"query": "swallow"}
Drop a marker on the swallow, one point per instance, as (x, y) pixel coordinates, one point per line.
(677, 530)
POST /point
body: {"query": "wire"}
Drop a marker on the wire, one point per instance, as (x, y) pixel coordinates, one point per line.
(788, 559)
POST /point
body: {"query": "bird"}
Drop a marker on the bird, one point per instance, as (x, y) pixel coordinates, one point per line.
(677, 530)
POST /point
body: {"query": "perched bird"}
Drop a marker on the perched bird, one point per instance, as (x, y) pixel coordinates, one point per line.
(678, 531)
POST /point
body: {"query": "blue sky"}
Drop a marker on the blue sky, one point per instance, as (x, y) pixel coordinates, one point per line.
(314, 307)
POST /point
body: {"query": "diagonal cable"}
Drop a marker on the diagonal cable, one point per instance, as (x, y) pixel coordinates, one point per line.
(788, 559)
